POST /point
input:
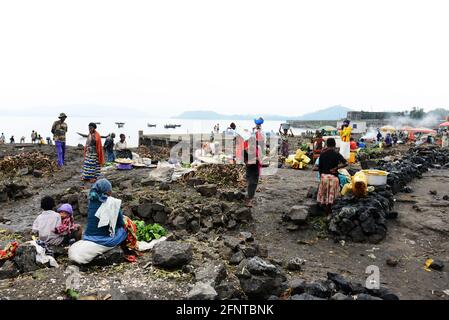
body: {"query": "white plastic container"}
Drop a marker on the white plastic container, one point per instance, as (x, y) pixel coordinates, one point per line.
(345, 150)
(376, 177)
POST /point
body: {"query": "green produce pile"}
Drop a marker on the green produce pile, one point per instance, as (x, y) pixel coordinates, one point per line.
(369, 153)
(149, 232)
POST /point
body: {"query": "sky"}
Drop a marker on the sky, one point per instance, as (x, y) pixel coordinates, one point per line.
(244, 56)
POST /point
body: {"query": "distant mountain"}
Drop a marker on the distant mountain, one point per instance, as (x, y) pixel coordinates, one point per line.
(331, 113)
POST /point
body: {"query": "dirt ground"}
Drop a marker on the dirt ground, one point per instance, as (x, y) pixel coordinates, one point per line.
(420, 232)
(412, 238)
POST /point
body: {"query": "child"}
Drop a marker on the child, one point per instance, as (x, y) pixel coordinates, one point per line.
(46, 223)
(67, 228)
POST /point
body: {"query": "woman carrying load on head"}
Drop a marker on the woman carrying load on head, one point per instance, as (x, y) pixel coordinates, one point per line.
(93, 155)
(285, 134)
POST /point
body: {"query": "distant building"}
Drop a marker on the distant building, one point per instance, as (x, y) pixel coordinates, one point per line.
(357, 126)
(366, 115)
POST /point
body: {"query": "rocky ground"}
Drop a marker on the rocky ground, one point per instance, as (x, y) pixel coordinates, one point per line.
(218, 248)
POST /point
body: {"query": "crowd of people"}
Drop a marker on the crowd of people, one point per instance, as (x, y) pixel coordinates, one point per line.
(35, 139)
(107, 227)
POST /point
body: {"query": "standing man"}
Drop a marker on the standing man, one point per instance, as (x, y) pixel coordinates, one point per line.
(109, 148)
(59, 131)
(379, 135)
(33, 136)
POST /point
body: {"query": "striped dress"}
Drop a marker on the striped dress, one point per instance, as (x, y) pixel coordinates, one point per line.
(91, 167)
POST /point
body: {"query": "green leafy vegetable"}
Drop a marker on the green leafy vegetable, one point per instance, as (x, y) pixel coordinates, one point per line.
(72, 294)
(149, 232)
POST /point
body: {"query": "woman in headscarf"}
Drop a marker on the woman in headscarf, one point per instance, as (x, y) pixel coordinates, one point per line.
(285, 134)
(93, 155)
(105, 225)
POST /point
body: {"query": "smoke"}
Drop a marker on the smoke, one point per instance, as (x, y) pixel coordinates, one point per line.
(371, 134)
(429, 121)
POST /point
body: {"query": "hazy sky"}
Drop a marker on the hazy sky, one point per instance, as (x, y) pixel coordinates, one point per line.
(233, 56)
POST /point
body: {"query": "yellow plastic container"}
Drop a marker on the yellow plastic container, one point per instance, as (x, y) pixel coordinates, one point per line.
(360, 184)
(352, 158)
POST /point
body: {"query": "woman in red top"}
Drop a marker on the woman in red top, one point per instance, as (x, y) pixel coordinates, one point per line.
(93, 155)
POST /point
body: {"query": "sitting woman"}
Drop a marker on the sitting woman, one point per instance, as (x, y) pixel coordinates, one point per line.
(121, 148)
(105, 225)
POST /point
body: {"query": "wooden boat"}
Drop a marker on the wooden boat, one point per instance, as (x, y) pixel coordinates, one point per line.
(85, 135)
(172, 126)
(151, 125)
(120, 124)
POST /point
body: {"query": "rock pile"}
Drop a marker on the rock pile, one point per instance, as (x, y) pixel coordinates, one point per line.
(334, 288)
(205, 217)
(13, 190)
(260, 279)
(413, 165)
(362, 220)
(242, 247)
(213, 282)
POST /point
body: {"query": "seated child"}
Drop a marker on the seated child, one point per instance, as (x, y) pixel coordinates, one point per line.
(68, 229)
(46, 223)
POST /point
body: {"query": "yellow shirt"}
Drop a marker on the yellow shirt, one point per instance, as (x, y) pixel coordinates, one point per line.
(345, 134)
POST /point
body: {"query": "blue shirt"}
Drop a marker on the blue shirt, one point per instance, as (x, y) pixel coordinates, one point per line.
(92, 221)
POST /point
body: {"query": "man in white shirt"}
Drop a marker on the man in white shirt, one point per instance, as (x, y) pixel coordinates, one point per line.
(121, 148)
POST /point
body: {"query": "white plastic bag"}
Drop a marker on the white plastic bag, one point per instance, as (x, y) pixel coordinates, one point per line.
(83, 252)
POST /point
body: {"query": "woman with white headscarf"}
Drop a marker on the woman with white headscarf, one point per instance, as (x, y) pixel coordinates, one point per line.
(105, 228)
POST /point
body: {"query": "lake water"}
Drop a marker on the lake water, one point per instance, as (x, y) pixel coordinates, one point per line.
(22, 126)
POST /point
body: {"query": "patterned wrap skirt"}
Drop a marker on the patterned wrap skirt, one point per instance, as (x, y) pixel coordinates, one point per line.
(329, 189)
(91, 168)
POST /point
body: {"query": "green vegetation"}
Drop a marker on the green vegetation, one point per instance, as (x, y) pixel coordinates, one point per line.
(149, 232)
